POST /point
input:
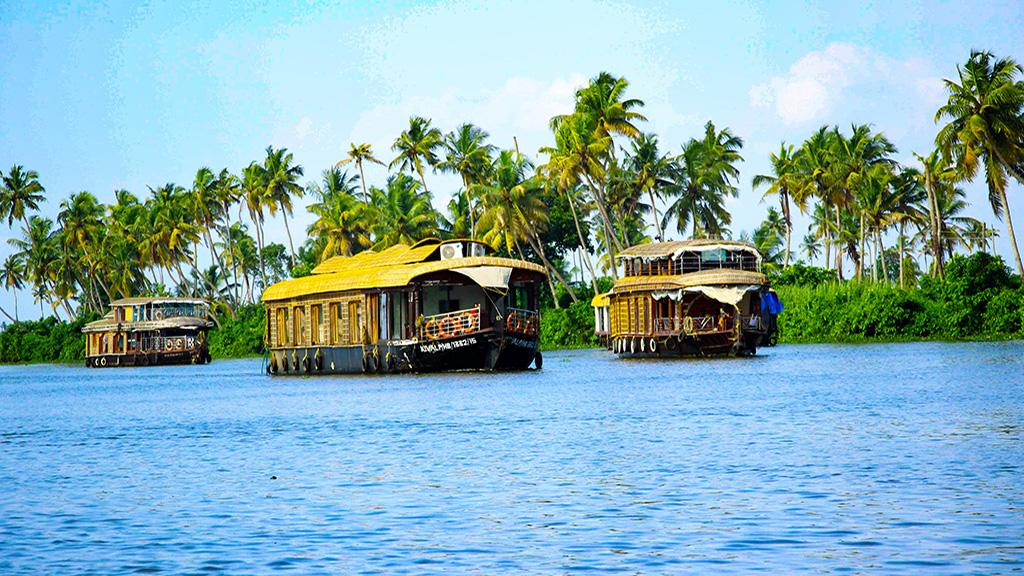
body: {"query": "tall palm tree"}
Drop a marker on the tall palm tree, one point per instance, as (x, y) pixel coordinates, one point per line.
(813, 167)
(341, 218)
(911, 196)
(416, 146)
(811, 246)
(81, 219)
(207, 206)
(281, 177)
(935, 176)
(12, 274)
(650, 172)
(253, 187)
(468, 154)
(514, 211)
(402, 213)
(37, 248)
(706, 171)
(602, 100)
(985, 109)
(20, 192)
(360, 153)
(783, 180)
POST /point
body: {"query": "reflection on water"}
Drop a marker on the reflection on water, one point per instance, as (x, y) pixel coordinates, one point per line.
(889, 458)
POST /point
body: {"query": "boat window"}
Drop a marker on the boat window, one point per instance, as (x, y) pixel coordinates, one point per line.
(334, 322)
(355, 322)
(298, 326)
(316, 317)
(282, 326)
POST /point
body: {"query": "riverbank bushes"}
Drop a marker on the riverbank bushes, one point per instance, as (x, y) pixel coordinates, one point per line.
(240, 336)
(47, 340)
(978, 299)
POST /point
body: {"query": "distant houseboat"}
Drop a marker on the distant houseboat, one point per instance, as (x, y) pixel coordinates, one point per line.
(432, 306)
(148, 331)
(695, 297)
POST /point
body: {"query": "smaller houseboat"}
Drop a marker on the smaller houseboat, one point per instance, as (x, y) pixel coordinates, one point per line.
(148, 331)
(695, 297)
(434, 306)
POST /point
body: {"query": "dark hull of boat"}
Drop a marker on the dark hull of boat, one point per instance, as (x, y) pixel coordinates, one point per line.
(725, 344)
(485, 351)
(151, 359)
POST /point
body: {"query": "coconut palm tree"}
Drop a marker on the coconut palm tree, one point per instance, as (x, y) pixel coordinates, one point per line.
(468, 154)
(12, 274)
(37, 247)
(650, 172)
(936, 175)
(253, 187)
(910, 197)
(985, 113)
(416, 146)
(705, 175)
(602, 100)
(81, 218)
(20, 192)
(811, 246)
(207, 205)
(360, 153)
(514, 211)
(401, 213)
(281, 177)
(783, 180)
(341, 218)
(813, 169)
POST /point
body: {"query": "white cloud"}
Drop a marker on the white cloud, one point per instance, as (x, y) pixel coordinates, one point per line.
(821, 81)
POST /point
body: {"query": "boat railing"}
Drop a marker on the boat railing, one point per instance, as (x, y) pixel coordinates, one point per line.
(449, 324)
(520, 321)
(168, 343)
(752, 322)
(691, 325)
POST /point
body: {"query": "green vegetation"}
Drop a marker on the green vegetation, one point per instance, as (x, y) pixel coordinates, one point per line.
(977, 299)
(603, 184)
(47, 340)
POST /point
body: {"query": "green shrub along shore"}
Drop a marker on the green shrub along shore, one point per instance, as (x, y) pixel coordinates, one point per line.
(979, 299)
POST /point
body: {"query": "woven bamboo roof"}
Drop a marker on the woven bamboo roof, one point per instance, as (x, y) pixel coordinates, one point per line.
(135, 301)
(723, 277)
(665, 249)
(109, 323)
(388, 269)
(601, 300)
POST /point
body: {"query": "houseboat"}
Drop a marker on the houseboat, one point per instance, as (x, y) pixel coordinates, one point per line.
(695, 297)
(433, 306)
(149, 331)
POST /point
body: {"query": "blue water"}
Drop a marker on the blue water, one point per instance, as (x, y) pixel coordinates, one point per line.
(903, 458)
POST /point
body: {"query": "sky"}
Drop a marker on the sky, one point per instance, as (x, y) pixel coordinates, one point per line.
(101, 96)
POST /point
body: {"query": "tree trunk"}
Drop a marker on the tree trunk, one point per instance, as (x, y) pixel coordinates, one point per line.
(551, 283)
(828, 235)
(902, 232)
(784, 196)
(881, 255)
(583, 244)
(1010, 232)
(13, 319)
(259, 246)
(839, 246)
(536, 244)
(284, 215)
(860, 265)
(935, 227)
(362, 179)
(657, 221)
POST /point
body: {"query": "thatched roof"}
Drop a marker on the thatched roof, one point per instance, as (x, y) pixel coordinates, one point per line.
(673, 248)
(135, 301)
(722, 277)
(108, 323)
(397, 266)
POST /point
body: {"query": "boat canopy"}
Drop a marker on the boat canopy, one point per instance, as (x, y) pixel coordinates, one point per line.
(731, 295)
(395, 267)
(673, 249)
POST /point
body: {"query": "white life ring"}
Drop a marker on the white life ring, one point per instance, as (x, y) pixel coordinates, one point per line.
(159, 315)
(178, 343)
(103, 361)
(632, 346)
(642, 345)
(654, 345)
(168, 344)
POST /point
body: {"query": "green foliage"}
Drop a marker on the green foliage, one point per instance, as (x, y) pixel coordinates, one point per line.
(979, 298)
(47, 340)
(800, 275)
(571, 327)
(240, 336)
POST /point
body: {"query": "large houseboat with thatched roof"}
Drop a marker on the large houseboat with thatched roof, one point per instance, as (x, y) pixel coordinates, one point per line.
(434, 306)
(695, 297)
(149, 331)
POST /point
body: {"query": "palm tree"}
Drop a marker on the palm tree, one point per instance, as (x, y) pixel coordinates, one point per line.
(704, 179)
(81, 219)
(37, 248)
(911, 196)
(650, 172)
(877, 202)
(341, 217)
(602, 100)
(813, 166)
(935, 176)
(207, 205)
(21, 192)
(402, 214)
(783, 180)
(468, 154)
(514, 211)
(12, 274)
(986, 122)
(416, 146)
(811, 246)
(253, 186)
(360, 153)
(281, 177)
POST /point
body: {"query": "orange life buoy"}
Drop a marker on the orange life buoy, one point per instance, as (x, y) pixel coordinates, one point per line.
(168, 344)
(512, 322)
(177, 343)
(448, 327)
(432, 329)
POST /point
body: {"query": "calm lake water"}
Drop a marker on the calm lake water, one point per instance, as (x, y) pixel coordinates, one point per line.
(902, 458)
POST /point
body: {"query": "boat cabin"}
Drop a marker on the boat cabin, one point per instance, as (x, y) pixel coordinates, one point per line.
(146, 331)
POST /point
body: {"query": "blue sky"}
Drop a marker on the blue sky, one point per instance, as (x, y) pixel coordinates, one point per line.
(100, 96)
